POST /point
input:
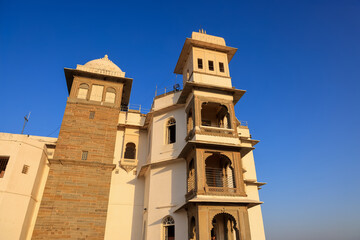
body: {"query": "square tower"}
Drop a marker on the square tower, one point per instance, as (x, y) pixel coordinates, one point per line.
(75, 200)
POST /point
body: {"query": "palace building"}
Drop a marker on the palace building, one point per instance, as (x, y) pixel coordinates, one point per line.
(184, 170)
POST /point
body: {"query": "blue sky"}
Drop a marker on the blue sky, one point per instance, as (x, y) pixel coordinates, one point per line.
(298, 60)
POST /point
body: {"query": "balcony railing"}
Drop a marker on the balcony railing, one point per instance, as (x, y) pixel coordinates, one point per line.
(217, 130)
(220, 180)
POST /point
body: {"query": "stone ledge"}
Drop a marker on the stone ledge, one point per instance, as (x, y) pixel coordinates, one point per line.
(82, 163)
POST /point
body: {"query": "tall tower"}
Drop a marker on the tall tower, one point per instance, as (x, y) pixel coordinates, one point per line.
(222, 195)
(75, 200)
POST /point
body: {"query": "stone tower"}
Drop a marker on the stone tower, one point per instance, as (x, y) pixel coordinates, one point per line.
(217, 201)
(76, 195)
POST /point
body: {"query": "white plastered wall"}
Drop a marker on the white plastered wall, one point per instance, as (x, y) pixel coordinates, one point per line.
(126, 199)
(255, 214)
(160, 149)
(20, 194)
(167, 189)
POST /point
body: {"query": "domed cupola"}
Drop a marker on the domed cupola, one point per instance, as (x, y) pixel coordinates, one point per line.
(103, 66)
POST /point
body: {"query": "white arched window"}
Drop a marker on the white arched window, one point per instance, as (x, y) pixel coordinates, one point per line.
(110, 95)
(171, 131)
(168, 225)
(83, 91)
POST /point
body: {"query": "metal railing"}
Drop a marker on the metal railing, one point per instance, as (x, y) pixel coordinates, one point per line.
(243, 123)
(220, 179)
(165, 90)
(136, 107)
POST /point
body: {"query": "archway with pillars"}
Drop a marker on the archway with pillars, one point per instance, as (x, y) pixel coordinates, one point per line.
(224, 227)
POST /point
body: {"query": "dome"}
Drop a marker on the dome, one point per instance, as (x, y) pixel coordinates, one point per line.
(103, 66)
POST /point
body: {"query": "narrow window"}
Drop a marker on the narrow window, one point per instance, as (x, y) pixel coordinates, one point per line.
(84, 155)
(3, 163)
(96, 93)
(25, 169)
(211, 65)
(83, 91)
(200, 63)
(168, 228)
(221, 67)
(110, 95)
(187, 75)
(171, 131)
(92, 115)
(130, 151)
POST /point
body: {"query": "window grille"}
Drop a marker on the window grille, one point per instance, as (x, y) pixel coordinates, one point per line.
(200, 63)
(92, 115)
(211, 65)
(25, 169)
(221, 67)
(168, 228)
(84, 155)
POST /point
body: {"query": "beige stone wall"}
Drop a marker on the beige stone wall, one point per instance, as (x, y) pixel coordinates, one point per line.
(75, 201)
(79, 133)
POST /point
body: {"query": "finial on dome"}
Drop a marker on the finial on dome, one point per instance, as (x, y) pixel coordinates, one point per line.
(106, 57)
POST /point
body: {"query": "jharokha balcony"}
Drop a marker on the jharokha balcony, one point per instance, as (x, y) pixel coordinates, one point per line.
(219, 178)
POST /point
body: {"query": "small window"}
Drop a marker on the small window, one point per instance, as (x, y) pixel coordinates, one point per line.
(187, 75)
(200, 63)
(92, 115)
(211, 65)
(130, 151)
(221, 67)
(171, 131)
(168, 228)
(3, 163)
(25, 169)
(84, 155)
(83, 91)
(110, 95)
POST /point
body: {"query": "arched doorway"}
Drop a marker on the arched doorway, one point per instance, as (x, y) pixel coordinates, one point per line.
(224, 227)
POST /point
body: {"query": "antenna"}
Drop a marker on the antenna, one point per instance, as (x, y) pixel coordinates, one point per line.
(25, 121)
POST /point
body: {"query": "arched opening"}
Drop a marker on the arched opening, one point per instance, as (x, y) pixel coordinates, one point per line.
(171, 131)
(191, 176)
(219, 172)
(168, 224)
(83, 91)
(224, 228)
(192, 229)
(130, 151)
(110, 95)
(215, 115)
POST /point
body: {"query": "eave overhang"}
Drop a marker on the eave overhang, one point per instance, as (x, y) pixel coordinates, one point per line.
(189, 43)
(213, 145)
(219, 200)
(127, 82)
(189, 86)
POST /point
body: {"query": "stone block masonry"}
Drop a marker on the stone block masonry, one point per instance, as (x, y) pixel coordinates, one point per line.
(75, 201)
(76, 195)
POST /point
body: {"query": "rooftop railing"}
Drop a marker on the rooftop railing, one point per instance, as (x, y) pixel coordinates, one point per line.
(136, 107)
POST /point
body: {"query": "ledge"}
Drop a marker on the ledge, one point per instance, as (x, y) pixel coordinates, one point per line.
(82, 163)
(220, 200)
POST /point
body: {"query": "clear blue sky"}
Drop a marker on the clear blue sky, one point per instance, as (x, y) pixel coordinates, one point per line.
(298, 60)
